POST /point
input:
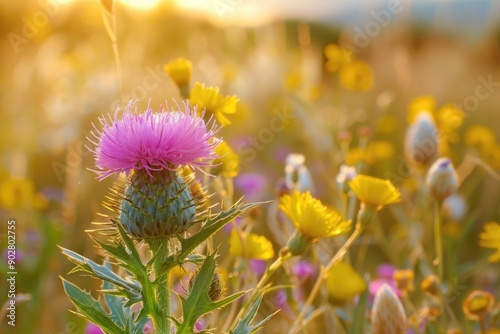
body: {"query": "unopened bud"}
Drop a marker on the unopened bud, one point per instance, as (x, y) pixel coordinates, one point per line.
(442, 180)
(388, 315)
(422, 142)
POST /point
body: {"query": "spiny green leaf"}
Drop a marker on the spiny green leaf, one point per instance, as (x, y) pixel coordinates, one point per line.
(131, 289)
(90, 309)
(244, 327)
(115, 304)
(210, 227)
(198, 302)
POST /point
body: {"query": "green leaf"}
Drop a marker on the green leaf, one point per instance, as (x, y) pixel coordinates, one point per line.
(210, 227)
(90, 309)
(131, 289)
(244, 327)
(198, 302)
(115, 304)
(358, 321)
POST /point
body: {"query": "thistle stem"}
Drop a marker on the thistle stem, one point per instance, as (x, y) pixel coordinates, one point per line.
(161, 313)
(324, 275)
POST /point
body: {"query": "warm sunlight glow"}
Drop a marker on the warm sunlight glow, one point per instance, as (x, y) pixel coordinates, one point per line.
(141, 4)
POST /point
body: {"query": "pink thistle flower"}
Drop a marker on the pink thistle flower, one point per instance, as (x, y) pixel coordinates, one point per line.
(153, 141)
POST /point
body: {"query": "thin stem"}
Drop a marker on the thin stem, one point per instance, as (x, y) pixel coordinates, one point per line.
(161, 314)
(323, 275)
(269, 272)
(111, 31)
(438, 241)
(482, 325)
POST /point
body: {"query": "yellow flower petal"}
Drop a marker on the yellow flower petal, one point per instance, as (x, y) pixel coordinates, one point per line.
(357, 75)
(374, 191)
(179, 71)
(311, 217)
(425, 103)
(209, 99)
(490, 238)
(250, 246)
(343, 282)
(228, 162)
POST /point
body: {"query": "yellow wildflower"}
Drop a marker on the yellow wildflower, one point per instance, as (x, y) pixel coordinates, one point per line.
(179, 70)
(383, 150)
(228, 162)
(482, 138)
(490, 238)
(404, 279)
(425, 103)
(495, 157)
(357, 75)
(250, 246)
(337, 56)
(478, 304)
(449, 118)
(17, 193)
(209, 99)
(344, 283)
(311, 217)
(374, 191)
(292, 81)
(387, 124)
(358, 154)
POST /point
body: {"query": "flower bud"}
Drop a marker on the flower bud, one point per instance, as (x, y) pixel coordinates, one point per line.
(157, 205)
(179, 71)
(478, 304)
(298, 243)
(215, 290)
(388, 315)
(297, 175)
(430, 284)
(422, 142)
(346, 174)
(442, 180)
(404, 280)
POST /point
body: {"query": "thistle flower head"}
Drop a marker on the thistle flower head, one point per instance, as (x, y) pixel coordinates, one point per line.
(153, 141)
(388, 315)
(216, 289)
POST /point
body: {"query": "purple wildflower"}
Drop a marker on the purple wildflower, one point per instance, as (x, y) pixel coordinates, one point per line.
(252, 185)
(304, 270)
(153, 141)
(258, 266)
(92, 328)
